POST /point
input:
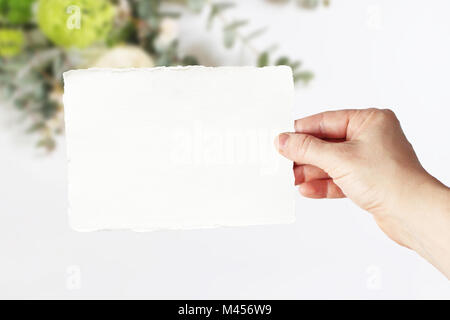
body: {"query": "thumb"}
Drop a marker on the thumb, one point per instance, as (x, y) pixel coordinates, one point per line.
(307, 149)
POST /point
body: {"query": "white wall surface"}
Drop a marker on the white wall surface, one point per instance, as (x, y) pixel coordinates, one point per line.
(364, 53)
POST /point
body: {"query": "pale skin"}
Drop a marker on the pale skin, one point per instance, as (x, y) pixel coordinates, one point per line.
(364, 155)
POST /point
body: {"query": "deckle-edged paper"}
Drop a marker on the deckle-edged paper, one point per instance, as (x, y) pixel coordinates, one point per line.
(177, 147)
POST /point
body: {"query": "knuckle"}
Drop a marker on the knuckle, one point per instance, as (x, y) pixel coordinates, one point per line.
(389, 113)
(371, 110)
(384, 115)
(303, 144)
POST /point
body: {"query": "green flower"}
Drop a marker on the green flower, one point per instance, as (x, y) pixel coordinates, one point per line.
(75, 23)
(11, 42)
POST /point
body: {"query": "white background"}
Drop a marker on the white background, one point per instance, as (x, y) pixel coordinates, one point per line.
(364, 53)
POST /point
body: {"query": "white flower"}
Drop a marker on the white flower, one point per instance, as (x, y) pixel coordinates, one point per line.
(168, 33)
(125, 57)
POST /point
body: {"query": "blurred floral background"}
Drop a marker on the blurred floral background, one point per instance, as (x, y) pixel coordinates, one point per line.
(41, 39)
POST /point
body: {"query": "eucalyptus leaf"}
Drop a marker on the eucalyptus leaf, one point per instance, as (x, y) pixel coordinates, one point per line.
(48, 143)
(36, 127)
(189, 61)
(147, 8)
(304, 76)
(229, 38)
(235, 24)
(196, 5)
(295, 64)
(282, 61)
(308, 4)
(263, 59)
(216, 9)
(255, 34)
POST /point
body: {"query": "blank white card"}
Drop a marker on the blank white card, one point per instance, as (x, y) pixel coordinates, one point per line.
(178, 147)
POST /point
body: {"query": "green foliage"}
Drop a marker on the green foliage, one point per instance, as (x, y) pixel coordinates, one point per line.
(122, 34)
(263, 59)
(189, 61)
(308, 4)
(230, 32)
(216, 9)
(254, 34)
(282, 61)
(27, 83)
(11, 42)
(47, 143)
(304, 76)
(15, 12)
(168, 56)
(196, 5)
(299, 75)
(146, 10)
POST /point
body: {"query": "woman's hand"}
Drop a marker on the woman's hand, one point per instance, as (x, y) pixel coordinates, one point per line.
(365, 156)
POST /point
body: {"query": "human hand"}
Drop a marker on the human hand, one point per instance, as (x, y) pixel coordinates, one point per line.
(365, 156)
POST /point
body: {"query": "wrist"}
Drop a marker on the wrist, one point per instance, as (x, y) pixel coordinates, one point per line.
(429, 223)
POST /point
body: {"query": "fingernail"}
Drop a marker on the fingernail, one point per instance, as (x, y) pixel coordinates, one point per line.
(282, 140)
